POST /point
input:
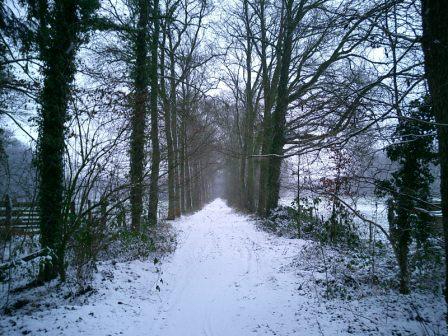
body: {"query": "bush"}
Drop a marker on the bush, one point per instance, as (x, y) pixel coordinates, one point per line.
(281, 222)
(287, 221)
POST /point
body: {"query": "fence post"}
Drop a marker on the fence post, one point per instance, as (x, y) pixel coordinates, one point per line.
(72, 213)
(8, 216)
(103, 218)
(122, 217)
(89, 213)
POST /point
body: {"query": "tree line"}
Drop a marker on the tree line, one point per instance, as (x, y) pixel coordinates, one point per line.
(142, 100)
(110, 81)
(340, 80)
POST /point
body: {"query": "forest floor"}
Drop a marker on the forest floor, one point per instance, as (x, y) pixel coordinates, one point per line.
(226, 277)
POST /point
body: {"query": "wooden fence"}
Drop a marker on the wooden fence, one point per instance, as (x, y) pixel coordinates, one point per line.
(434, 209)
(22, 218)
(18, 217)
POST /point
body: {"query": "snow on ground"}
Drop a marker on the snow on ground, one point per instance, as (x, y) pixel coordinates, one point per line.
(225, 278)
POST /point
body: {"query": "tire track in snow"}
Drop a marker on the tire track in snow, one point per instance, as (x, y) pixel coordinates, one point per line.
(219, 275)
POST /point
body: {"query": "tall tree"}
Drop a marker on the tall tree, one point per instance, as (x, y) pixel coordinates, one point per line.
(249, 123)
(279, 114)
(409, 186)
(435, 48)
(268, 84)
(168, 115)
(153, 75)
(307, 66)
(138, 121)
(61, 25)
(182, 34)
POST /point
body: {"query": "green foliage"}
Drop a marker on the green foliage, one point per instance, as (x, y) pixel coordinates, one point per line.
(306, 217)
(305, 222)
(340, 227)
(408, 189)
(292, 222)
(135, 244)
(282, 221)
(425, 264)
(84, 254)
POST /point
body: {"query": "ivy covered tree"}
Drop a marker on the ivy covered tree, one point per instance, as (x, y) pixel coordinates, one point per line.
(2, 50)
(61, 27)
(408, 189)
(140, 82)
(434, 41)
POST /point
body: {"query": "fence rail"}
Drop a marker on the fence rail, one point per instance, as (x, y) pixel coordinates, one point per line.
(22, 218)
(18, 217)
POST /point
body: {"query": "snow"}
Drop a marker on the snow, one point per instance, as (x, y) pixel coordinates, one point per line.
(226, 277)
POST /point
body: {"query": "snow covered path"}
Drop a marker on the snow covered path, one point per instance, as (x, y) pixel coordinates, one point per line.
(226, 278)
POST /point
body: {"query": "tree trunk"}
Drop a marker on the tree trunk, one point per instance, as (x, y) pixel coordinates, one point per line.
(174, 130)
(154, 183)
(187, 181)
(435, 47)
(137, 156)
(242, 181)
(203, 192)
(250, 188)
(58, 55)
(177, 172)
(171, 172)
(250, 118)
(403, 241)
(193, 185)
(263, 161)
(196, 192)
(168, 134)
(279, 118)
(266, 125)
(182, 158)
(171, 168)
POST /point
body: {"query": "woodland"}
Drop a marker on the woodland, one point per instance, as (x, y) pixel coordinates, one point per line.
(154, 137)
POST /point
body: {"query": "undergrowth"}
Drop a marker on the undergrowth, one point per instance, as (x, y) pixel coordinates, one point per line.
(346, 263)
